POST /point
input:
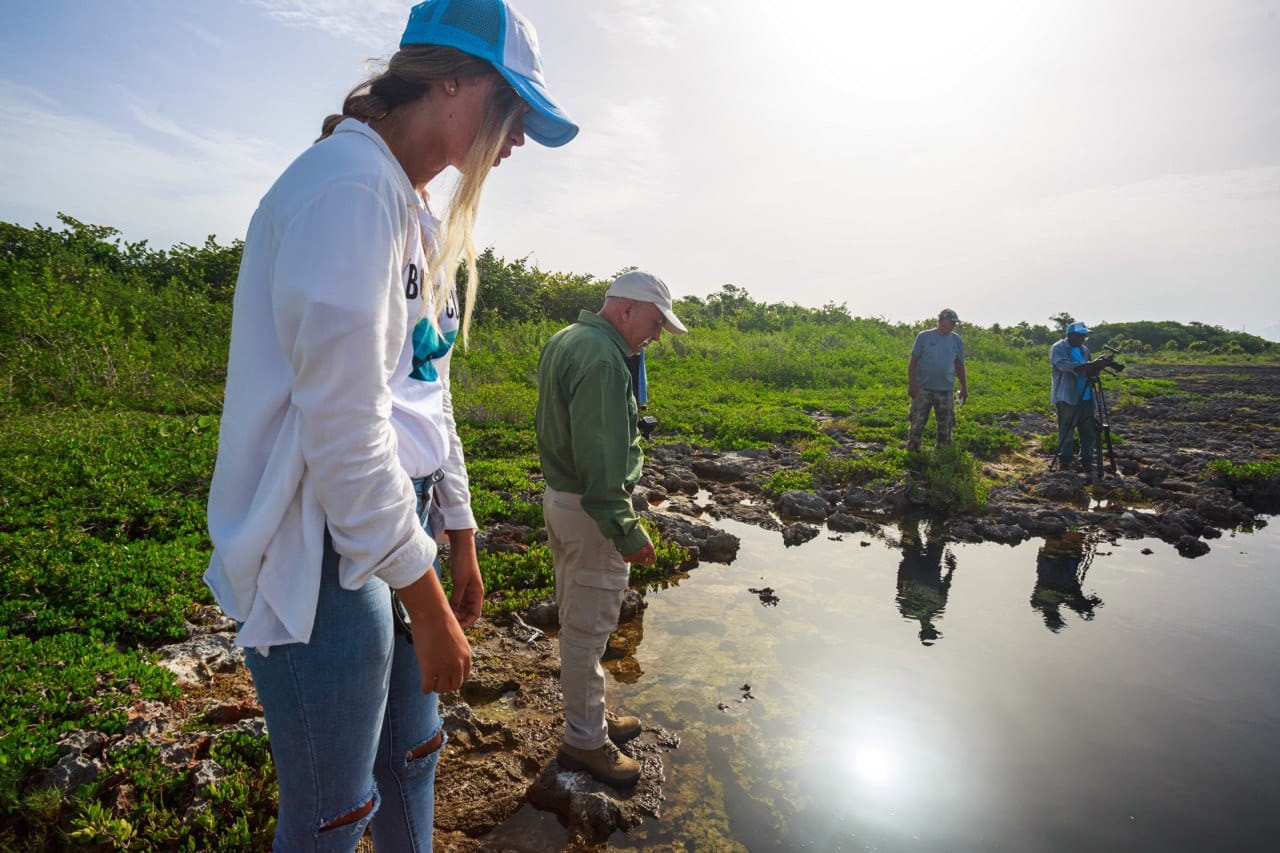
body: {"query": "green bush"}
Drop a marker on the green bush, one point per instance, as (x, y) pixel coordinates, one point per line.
(954, 481)
(1243, 473)
(788, 481)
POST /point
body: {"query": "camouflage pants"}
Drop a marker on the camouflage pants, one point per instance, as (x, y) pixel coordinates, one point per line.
(941, 402)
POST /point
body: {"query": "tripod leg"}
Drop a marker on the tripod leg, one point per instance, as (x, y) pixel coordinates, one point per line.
(1098, 431)
(1099, 424)
(1104, 434)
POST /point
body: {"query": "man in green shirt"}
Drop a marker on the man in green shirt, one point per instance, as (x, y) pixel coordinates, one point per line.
(589, 447)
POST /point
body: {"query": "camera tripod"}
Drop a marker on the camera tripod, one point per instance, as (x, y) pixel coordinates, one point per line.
(1101, 426)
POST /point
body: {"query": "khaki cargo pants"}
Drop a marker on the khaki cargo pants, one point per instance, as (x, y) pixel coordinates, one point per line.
(591, 580)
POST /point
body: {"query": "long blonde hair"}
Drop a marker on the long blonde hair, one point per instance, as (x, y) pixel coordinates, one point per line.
(409, 74)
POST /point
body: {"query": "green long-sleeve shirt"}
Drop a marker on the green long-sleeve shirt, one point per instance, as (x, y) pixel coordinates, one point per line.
(588, 441)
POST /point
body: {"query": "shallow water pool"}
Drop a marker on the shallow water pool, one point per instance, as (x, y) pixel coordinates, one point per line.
(905, 694)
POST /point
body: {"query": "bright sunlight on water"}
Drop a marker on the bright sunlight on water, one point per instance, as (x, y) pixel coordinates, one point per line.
(902, 694)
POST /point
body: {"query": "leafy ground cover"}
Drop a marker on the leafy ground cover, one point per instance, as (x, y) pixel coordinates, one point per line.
(112, 360)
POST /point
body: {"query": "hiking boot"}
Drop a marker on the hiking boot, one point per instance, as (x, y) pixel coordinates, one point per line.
(606, 763)
(621, 729)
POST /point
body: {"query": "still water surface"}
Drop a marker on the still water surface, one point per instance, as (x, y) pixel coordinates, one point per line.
(909, 695)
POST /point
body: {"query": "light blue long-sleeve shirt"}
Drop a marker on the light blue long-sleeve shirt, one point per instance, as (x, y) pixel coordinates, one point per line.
(1066, 375)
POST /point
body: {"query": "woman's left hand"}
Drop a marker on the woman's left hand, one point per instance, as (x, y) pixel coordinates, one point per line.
(464, 569)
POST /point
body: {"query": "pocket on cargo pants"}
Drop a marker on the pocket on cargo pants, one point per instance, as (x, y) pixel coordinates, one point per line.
(596, 588)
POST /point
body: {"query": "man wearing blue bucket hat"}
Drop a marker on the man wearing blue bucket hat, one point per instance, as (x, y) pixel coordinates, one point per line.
(339, 461)
(1072, 397)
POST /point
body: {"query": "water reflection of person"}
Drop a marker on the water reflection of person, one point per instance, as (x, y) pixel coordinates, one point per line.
(922, 586)
(1061, 565)
(620, 652)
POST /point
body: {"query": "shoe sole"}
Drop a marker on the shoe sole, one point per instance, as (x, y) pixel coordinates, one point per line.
(570, 763)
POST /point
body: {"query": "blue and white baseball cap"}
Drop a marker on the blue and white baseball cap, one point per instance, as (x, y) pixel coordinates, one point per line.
(1077, 329)
(499, 34)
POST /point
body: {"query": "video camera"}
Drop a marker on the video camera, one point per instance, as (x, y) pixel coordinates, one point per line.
(647, 425)
(1105, 362)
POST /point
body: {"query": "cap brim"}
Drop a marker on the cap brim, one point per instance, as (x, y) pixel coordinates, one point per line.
(673, 324)
(546, 123)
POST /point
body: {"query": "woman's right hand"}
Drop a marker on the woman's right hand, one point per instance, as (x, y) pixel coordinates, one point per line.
(444, 655)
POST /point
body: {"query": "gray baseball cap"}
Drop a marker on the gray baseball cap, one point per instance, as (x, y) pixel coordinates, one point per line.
(948, 314)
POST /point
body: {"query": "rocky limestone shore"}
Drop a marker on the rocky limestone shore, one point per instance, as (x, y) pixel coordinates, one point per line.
(504, 725)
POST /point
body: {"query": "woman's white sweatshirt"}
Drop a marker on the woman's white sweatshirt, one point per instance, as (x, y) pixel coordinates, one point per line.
(330, 409)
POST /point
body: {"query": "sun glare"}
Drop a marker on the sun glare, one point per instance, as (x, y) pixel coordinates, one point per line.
(873, 766)
(911, 53)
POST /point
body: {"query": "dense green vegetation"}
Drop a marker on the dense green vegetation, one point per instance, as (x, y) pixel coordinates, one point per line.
(112, 358)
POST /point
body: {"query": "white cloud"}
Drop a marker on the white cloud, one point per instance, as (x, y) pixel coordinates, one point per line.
(591, 200)
(647, 22)
(186, 184)
(1187, 247)
(373, 23)
(1174, 217)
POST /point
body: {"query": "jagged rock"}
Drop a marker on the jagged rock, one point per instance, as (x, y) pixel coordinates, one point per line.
(578, 798)
(1220, 507)
(679, 479)
(894, 501)
(1190, 546)
(459, 718)
(754, 513)
(1045, 523)
(544, 614)
(182, 752)
(71, 771)
(147, 719)
(82, 740)
(1185, 518)
(725, 469)
(595, 814)
(714, 545)
(655, 493)
(798, 533)
(1152, 474)
(256, 727)
(209, 620)
(121, 745)
(225, 713)
(1060, 486)
(205, 773)
(194, 661)
(633, 604)
(681, 505)
(803, 506)
(1131, 522)
(843, 522)
(1009, 534)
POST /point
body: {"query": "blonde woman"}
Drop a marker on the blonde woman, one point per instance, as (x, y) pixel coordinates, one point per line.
(338, 456)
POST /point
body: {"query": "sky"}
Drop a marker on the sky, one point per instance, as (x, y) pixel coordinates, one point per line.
(1114, 159)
